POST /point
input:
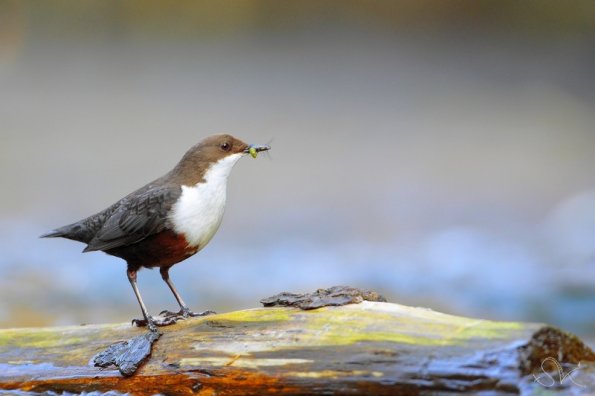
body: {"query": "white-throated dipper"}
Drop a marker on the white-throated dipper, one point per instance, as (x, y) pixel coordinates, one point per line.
(168, 220)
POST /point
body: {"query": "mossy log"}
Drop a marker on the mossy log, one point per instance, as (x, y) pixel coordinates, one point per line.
(367, 348)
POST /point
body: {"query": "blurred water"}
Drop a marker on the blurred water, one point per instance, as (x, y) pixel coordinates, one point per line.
(447, 170)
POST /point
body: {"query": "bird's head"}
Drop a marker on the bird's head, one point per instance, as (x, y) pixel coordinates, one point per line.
(219, 152)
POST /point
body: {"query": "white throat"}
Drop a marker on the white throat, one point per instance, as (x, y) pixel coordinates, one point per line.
(199, 211)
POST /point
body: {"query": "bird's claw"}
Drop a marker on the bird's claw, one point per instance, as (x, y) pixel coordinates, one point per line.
(153, 322)
(203, 313)
(184, 314)
(139, 322)
(167, 318)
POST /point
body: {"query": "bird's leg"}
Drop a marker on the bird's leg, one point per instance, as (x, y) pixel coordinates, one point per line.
(185, 312)
(148, 320)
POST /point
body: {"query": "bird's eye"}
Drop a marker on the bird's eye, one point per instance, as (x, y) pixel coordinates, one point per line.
(225, 146)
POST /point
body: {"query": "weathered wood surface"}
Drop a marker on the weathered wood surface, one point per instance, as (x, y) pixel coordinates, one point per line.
(367, 348)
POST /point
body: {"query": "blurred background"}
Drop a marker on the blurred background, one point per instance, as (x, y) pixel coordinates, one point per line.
(439, 152)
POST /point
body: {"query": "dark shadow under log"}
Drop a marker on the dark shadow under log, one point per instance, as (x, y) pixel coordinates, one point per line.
(367, 348)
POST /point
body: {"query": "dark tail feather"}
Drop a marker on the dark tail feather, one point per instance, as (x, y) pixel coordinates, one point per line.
(74, 231)
(53, 234)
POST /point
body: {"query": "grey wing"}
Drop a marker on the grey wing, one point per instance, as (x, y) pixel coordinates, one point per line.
(136, 218)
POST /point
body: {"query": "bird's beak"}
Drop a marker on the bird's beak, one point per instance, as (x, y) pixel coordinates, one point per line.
(254, 149)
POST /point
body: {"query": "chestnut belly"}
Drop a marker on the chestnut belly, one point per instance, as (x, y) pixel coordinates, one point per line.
(159, 250)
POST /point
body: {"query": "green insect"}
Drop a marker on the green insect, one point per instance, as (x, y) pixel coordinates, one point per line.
(254, 149)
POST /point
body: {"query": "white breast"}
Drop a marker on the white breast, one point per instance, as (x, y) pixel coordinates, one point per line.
(199, 211)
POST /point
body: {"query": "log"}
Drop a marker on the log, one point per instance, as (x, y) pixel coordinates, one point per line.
(366, 348)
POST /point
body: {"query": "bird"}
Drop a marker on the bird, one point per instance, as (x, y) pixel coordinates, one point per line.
(166, 221)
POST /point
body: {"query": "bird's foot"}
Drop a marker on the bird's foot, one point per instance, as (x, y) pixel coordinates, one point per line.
(167, 318)
(184, 313)
(153, 322)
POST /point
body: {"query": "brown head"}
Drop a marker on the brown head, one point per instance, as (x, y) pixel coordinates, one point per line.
(213, 149)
